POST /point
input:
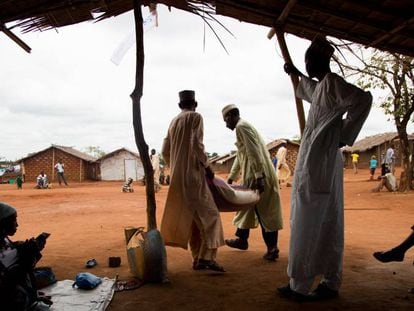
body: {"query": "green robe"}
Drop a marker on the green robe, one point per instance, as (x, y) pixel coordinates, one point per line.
(253, 161)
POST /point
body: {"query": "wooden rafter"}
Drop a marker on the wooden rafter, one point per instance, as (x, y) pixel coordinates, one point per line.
(15, 38)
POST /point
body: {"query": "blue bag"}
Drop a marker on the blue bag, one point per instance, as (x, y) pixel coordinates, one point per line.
(86, 280)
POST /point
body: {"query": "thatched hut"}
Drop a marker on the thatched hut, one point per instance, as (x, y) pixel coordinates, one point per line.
(375, 145)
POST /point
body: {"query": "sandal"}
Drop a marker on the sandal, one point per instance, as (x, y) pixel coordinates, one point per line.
(129, 284)
(91, 263)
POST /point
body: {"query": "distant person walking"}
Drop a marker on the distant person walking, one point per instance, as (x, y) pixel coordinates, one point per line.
(283, 170)
(355, 157)
(372, 166)
(60, 169)
(390, 158)
(155, 161)
(19, 182)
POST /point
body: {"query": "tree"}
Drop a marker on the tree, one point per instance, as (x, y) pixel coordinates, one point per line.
(94, 151)
(393, 73)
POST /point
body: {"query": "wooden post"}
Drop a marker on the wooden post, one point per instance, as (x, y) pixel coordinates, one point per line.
(53, 164)
(137, 121)
(15, 38)
(294, 78)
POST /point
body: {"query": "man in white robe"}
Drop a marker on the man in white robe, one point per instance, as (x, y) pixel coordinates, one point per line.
(283, 170)
(317, 216)
(257, 172)
(190, 214)
(155, 162)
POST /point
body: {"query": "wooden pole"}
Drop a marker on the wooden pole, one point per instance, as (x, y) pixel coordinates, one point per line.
(15, 38)
(137, 121)
(286, 56)
(294, 78)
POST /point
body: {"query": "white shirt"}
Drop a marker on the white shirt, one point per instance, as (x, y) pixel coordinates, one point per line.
(8, 254)
(60, 167)
(389, 157)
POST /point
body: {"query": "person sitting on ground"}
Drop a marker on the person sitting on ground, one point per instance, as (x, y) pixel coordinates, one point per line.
(389, 181)
(397, 253)
(128, 186)
(17, 262)
(41, 180)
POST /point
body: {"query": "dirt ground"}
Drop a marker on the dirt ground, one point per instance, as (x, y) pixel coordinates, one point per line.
(87, 220)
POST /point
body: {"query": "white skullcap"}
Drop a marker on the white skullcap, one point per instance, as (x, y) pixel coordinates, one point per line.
(6, 210)
(228, 108)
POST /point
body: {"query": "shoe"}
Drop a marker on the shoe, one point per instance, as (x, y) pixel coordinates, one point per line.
(323, 292)
(203, 264)
(388, 256)
(271, 255)
(287, 292)
(237, 243)
(91, 263)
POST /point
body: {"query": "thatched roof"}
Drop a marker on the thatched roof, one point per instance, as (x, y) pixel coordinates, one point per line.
(384, 24)
(273, 144)
(370, 142)
(70, 150)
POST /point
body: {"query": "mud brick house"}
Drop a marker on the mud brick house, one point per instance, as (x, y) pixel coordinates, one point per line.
(79, 166)
(121, 164)
(375, 145)
(224, 163)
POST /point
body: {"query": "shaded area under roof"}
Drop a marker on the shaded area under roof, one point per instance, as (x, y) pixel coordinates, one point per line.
(383, 24)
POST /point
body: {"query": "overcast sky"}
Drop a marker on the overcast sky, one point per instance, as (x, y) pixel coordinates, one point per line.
(68, 92)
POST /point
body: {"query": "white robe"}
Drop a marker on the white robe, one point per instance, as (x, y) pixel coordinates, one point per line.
(317, 217)
(283, 170)
(155, 161)
(189, 196)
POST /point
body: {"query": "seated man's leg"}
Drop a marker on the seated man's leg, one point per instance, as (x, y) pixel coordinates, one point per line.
(397, 253)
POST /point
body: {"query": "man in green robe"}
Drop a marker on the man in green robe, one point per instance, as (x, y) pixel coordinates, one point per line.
(257, 172)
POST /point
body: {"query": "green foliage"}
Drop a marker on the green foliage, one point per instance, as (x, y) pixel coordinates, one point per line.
(94, 151)
(393, 73)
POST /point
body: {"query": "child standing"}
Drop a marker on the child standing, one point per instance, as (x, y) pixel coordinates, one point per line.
(19, 182)
(372, 166)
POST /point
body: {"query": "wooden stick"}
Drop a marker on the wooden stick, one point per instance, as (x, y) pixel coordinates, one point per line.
(286, 56)
(15, 38)
(137, 121)
(294, 78)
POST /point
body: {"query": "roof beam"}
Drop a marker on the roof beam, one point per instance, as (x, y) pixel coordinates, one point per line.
(355, 19)
(392, 32)
(282, 18)
(15, 38)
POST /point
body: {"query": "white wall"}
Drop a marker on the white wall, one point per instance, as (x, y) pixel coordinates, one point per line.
(113, 168)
